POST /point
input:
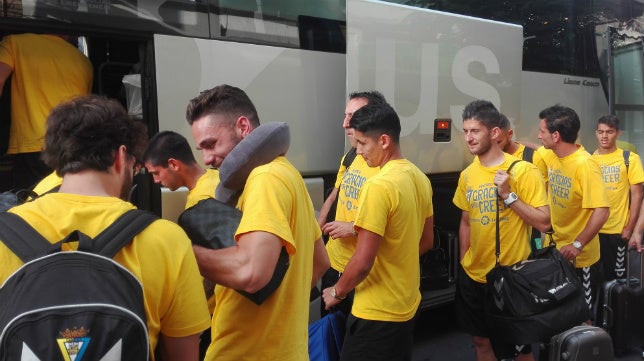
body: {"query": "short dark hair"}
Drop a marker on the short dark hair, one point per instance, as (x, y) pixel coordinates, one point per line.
(372, 96)
(610, 120)
(561, 119)
(222, 99)
(165, 145)
(86, 132)
(485, 112)
(377, 118)
(504, 122)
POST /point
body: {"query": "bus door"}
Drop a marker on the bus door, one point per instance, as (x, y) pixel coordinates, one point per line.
(624, 74)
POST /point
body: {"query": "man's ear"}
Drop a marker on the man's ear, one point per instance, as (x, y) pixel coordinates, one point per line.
(243, 127)
(121, 157)
(495, 133)
(173, 164)
(385, 141)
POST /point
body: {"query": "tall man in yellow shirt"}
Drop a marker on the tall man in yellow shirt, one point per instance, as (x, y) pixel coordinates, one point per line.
(97, 178)
(482, 187)
(579, 204)
(623, 180)
(394, 224)
(349, 181)
(277, 212)
(46, 70)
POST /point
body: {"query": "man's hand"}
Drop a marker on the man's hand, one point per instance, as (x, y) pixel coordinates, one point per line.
(636, 241)
(502, 182)
(329, 301)
(337, 229)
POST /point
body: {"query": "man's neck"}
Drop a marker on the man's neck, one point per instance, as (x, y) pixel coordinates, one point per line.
(194, 173)
(608, 150)
(91, 183)
(395, 154)
(493, 157)
(564, 149)
(512, 147)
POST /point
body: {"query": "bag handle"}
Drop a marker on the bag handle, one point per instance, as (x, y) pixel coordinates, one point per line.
(22, 239)
(497, 253)
(121, 232)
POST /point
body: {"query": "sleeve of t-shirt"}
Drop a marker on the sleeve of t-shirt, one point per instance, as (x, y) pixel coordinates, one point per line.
(635, 171)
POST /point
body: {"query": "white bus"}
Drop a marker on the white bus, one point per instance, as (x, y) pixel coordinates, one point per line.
(298, 60)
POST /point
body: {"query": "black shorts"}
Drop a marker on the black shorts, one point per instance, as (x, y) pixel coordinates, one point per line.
(614, 250)
(378, 340)
(471, 316)
(591, 278)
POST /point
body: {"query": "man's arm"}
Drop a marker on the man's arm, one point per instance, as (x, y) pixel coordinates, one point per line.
(326, 207)
(179, 348)
(633, 211)
(464, 235)
(538, 217)
(357, 269)
(247, 266)
(595, 223)
(636, 238)
(320, 261)
(5, 72)
(427, 238)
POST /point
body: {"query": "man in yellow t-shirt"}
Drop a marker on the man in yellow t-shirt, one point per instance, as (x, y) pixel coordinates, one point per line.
(348, 183)
(623, 182)
(171, 163)
(394, 223)
(276, 212)
(578, 200)
(96, 177)
(45, 70)
(522, 204)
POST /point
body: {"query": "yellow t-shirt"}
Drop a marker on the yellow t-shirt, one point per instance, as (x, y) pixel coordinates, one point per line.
(618, 186)
(160, 257)
(274, 200)
(47, 71)
(394, 204)
(477, 194)
(349, 185)
(205, 187)
(575, 189)
(48, 183)
(541, 154)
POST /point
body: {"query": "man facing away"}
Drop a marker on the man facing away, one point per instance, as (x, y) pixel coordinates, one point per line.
(482, 187)
(171, 163)
(624, 188)
(94, 145)
(394, 223)
(577, 194)
(276, 212)
(46, 70)
(348, 183)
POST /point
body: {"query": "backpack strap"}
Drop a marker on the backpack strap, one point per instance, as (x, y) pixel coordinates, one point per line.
(349, 157)
(528, 154)
(626, 154)
(21, 238)
(121, 232)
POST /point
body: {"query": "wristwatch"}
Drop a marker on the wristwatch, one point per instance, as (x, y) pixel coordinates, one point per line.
(335, 295)
(512, 197)
(577, 245)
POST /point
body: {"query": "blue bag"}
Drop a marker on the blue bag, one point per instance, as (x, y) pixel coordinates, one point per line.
(326, 336)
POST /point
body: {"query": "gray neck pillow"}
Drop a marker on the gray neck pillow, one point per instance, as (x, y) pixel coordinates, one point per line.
(261, 146)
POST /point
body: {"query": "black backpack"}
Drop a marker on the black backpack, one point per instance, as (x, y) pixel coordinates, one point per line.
(73, 305)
